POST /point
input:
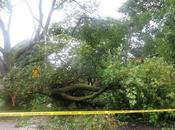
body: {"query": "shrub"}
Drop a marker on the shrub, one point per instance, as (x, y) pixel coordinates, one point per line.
(148, 85)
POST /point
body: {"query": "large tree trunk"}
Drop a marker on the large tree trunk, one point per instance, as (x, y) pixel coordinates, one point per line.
(6, 36)
(65, 92)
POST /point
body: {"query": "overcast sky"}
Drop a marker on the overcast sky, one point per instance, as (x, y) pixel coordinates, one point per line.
(22, 22)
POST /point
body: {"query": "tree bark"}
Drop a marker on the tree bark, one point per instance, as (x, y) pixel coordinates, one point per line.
(40, 22)
(45, 29)
(63, 92)
(82, 98)
(40, 29)
(76, 87)
(6, 37)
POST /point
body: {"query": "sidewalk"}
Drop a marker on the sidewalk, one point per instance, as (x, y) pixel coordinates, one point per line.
(11, 125)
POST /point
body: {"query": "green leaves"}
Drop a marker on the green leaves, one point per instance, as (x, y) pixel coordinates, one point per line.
(99, 37)
(111, 67)
(142, 84)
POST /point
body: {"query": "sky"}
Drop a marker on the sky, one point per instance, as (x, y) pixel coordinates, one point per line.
(22, 23)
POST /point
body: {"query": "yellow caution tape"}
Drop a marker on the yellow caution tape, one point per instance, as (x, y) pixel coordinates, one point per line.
(68, 113)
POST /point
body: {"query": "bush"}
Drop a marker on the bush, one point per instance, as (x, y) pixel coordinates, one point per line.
(41, 103)
(148, 85)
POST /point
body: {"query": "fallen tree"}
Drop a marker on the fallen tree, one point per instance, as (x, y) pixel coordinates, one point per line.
(12, 57)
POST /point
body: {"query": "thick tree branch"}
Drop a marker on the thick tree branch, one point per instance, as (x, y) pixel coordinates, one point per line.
(82, 98)
(10, 18)
(76, 87)
(37, 35)
(48, 19)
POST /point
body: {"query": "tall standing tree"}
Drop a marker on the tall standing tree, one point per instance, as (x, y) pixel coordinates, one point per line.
(12, 55)
(5, 61)
(153, 27)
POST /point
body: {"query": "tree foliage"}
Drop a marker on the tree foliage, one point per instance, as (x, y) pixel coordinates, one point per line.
(121, 64)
